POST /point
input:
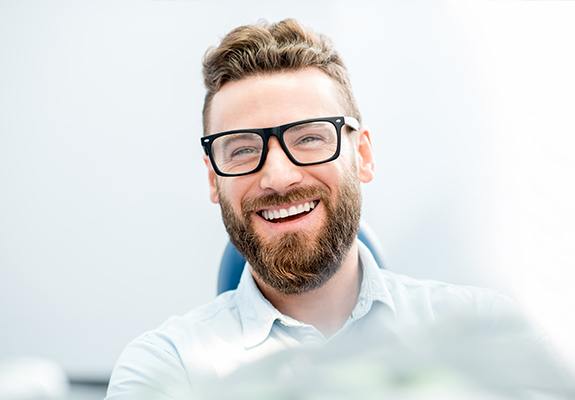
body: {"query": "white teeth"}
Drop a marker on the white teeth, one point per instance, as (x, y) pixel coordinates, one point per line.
(293, 210)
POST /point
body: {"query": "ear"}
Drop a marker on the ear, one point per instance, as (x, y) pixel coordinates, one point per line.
(365, 162)
(212, 181)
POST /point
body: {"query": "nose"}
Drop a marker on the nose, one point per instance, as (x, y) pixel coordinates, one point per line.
(279, 173)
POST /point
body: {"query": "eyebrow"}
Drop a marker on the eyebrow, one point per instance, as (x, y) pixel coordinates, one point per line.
(316, 124)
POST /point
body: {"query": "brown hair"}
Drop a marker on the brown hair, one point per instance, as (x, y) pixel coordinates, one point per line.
(264, 48)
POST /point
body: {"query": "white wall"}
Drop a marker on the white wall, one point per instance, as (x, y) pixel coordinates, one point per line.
(105, 224)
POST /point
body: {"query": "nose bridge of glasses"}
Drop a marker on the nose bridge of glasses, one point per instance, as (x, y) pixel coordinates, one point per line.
(268, 133)
(274, 133)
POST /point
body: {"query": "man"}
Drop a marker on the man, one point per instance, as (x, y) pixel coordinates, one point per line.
(286, 153)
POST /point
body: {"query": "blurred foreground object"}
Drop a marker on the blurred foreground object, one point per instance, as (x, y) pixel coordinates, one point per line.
(32, 379)
(456, 358)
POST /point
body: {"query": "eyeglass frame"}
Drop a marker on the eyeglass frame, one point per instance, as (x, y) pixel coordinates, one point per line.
(278, 132)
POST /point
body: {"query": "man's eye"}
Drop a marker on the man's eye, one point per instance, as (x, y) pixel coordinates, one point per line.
(310, 139)
(243, 152)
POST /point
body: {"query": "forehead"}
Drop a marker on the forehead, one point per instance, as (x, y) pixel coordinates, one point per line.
(274, 99)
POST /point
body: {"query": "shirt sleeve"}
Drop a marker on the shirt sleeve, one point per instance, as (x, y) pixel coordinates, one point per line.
(149, 368)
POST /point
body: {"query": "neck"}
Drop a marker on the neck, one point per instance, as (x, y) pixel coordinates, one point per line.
(328, 307)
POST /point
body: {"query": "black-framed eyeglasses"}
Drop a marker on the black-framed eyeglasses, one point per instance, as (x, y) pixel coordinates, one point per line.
(307, 142)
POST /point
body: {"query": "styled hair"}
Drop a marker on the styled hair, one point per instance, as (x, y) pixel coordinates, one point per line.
(265, 48)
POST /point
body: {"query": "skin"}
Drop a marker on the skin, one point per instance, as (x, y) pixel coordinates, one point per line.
(274, 99)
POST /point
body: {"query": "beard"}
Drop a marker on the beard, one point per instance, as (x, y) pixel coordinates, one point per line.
(297, 262)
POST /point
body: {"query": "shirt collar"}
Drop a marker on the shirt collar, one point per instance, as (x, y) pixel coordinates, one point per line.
(258, 315)
(373, 287)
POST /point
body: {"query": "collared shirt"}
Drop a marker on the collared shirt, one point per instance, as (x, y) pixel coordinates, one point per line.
(242, 326)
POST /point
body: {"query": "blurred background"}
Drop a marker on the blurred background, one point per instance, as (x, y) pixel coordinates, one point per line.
(105, 224)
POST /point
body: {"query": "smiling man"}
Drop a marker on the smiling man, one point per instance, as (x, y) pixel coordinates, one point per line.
(291, 198)
(286, 153)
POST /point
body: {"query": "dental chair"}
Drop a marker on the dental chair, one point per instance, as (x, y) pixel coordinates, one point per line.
(232, 262)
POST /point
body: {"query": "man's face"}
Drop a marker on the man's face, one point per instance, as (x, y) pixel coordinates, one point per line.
(300, 252)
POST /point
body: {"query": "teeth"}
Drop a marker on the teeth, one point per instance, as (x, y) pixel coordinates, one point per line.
(293, 210)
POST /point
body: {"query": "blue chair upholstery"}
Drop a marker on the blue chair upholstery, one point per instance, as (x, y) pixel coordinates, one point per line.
(232, 262)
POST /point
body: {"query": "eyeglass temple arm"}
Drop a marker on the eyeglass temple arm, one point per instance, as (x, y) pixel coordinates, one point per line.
(352, 123)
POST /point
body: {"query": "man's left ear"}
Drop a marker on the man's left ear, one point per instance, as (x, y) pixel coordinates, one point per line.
(365, 162)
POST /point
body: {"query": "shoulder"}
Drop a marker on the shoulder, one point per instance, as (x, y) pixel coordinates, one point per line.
(222, 310)
(442, 299)
(429, 286)
(197, 330)
(162, 358)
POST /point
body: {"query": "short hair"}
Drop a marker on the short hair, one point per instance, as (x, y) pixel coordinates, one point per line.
(265, 48)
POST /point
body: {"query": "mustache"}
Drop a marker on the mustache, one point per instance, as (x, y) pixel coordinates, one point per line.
(277, 199)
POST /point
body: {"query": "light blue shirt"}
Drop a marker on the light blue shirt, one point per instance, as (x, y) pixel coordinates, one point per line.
(241, 326)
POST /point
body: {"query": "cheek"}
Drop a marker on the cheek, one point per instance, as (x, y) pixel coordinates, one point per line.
(347, 163)
(331, 175)
(349, 154)
(233, 190)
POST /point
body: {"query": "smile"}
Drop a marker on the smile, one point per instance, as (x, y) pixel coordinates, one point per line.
(289, 213)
